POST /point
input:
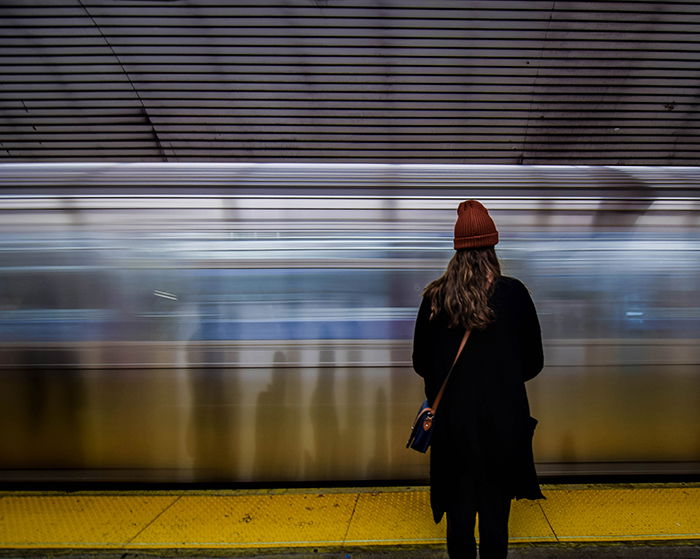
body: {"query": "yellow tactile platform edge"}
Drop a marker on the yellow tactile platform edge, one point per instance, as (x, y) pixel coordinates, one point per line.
(331, 517)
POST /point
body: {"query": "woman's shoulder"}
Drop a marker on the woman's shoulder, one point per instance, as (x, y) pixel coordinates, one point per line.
(511, 287)
(508, 282)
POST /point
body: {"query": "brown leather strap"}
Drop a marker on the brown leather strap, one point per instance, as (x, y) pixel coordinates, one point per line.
(444, 384)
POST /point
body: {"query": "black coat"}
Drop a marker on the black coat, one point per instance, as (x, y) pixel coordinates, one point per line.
(483, 426)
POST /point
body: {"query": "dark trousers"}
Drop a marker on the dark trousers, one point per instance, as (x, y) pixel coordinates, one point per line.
(493, 508)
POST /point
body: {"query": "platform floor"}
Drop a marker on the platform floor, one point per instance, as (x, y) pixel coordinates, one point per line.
(331, 519)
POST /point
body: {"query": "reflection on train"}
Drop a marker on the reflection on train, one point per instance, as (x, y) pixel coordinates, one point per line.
(248, 336)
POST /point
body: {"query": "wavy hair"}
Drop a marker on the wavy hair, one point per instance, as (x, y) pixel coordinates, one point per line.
(462, 292)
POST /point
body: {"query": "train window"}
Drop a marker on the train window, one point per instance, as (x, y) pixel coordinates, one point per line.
(349, 286)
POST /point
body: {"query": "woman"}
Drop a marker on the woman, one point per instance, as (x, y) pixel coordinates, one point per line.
(481, 455)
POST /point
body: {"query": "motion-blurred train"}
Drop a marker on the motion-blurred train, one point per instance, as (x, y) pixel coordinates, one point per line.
(252, 323)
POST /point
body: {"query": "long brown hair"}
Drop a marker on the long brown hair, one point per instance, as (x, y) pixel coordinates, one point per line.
(463, 291)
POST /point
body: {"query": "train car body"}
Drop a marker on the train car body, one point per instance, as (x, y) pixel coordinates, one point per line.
(252, 323)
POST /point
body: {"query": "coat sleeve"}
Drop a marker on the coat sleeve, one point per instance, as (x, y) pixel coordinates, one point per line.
(533, 355)
(421, 356)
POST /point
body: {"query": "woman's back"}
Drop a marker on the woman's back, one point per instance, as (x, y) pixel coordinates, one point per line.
(508, 349)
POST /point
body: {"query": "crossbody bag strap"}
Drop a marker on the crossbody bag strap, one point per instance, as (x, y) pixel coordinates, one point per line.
(436, 403)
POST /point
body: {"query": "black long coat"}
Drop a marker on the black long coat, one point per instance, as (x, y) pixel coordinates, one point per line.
(483, 425)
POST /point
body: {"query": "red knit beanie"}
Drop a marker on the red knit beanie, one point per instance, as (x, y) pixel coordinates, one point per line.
(474, 227)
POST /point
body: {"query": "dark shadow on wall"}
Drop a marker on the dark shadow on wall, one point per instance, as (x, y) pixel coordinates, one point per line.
(278, 423)
(214, 432)
(325, 423)
(378, 467)
(354, 459)
(52, 392)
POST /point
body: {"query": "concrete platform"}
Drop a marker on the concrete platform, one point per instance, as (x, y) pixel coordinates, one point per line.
(558, 551)
(347, 522)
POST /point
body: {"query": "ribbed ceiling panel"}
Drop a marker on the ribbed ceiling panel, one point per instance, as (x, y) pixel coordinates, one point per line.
(598, 83)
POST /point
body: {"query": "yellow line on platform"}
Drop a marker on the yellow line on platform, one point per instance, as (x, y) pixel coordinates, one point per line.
(331, 518)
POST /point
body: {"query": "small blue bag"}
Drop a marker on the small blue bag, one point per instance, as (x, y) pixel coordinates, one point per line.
(422, 428)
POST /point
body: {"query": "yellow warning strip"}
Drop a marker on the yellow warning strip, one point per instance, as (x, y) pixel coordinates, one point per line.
(331, 518)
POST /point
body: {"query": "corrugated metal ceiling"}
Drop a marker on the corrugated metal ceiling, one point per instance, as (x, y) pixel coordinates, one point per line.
(600, 83)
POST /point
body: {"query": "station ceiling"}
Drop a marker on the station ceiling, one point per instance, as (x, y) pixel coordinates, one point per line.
(411, 81)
